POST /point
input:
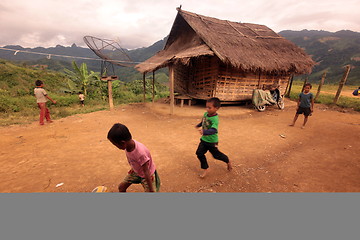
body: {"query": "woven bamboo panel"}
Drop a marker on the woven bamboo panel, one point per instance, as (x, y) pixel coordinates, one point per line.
(205, 77)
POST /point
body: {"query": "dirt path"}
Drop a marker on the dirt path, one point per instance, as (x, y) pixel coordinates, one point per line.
(74, 151)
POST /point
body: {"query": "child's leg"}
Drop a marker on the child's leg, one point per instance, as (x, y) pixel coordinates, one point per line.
(305, 121)
(123, 186)
(295, 118)
(220, 156)
(42, 112)
(200, 153)
(47, 114)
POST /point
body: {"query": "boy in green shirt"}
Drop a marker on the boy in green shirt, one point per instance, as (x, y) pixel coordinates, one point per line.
(209, 140)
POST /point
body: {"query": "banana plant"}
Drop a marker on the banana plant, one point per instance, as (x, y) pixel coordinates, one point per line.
(81, 76)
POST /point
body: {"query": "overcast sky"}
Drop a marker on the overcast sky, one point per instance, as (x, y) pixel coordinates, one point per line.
(140, 23)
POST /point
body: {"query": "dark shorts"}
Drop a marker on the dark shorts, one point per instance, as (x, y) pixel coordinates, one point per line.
(305, 111)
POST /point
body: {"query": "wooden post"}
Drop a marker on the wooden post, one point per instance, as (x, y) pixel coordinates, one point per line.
(172, 97)
(111, 103)
(144, 87)
(342, 82)
(305, 82)
(320, 85)
(289, 86)
(153, 87)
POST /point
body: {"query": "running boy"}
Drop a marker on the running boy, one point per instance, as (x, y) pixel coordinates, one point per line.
(142, 166)
(305, 104)
(41, 99)
(209, 140)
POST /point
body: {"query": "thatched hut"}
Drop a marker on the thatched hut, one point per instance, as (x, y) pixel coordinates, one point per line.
(208, 57)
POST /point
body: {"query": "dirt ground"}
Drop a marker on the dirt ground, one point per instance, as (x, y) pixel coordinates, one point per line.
(73, 154)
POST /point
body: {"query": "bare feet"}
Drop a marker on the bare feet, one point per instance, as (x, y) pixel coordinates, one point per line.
(203, 174)
(291, 125)
(229, 167)
(302, 127)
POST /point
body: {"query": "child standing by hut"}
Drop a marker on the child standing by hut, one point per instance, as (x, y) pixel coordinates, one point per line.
(209, 140)
(41, 99)
(142, 166)
(305, 104)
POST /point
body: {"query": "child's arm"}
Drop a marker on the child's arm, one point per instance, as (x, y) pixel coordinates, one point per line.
(312, 104)
(53, 101)
(145, 168)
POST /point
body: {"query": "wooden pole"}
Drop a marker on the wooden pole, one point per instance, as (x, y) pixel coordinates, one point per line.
(289, 86)
(111, 103)
(342, 82)
(305, 82)
(153, 87)
(320, 85)
(172, 97)
(144, 87)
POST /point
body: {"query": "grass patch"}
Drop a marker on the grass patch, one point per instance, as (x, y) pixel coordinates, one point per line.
(327, 95)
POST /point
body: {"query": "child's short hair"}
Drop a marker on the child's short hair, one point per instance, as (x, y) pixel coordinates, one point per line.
(215, 101)
(38, 83)
(308, 84)
(119, 132)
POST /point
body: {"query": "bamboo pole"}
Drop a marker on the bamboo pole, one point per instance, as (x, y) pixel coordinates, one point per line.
(144, 88)
(153, 87)
(289, 86)
(320, 85)
(342, 83)
(172, 97)
(110, 92)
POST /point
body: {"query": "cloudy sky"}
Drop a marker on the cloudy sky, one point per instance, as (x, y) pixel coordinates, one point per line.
(140, 23)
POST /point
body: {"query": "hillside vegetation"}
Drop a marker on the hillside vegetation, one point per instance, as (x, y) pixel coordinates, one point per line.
(331, 51)
(18, 104)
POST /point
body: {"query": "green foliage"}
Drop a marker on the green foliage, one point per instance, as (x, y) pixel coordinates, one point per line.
(81, 77)
(18, 104)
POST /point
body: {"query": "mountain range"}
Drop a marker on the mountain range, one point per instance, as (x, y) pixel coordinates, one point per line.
(332, 51)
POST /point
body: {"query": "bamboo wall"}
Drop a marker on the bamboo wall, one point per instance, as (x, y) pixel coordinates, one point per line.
(206, 77)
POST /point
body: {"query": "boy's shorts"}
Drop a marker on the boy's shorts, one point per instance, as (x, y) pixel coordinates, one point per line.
(133, 178)
(305, 111)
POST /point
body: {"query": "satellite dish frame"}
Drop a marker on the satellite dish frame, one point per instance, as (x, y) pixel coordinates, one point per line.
(107, 62)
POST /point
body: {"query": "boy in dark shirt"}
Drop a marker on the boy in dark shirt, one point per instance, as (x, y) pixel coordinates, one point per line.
(305, 104)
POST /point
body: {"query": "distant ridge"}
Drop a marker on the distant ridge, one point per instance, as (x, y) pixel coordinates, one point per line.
(331, 50)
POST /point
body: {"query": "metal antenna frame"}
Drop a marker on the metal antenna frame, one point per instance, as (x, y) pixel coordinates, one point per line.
(99, 46)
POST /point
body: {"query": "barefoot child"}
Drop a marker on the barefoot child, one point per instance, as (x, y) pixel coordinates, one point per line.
(305, 104)
(142, 166)
(41, 99)
(209, 139)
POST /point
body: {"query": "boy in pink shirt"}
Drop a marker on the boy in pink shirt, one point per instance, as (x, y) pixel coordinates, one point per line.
(142, 166)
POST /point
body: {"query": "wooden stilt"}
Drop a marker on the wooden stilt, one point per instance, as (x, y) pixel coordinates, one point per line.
(172, 97)
(290, 85)
(342, 83)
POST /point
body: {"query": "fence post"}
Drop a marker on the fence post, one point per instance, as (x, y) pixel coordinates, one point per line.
(320, 85)
(342, 82)
(305, 82)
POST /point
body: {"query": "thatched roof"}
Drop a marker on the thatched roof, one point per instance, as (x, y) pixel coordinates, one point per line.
(249, 47)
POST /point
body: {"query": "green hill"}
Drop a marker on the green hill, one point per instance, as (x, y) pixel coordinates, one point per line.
(331, 51)
(19, 80)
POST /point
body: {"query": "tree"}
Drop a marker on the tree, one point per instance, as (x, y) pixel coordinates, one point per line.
(81, 76)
